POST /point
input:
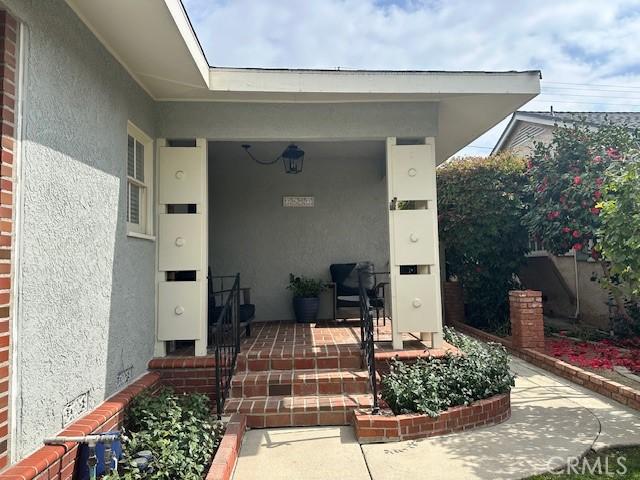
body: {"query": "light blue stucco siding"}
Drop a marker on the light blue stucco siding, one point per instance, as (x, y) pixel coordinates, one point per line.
(86, 291)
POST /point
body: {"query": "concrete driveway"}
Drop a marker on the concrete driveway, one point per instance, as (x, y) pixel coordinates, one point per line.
(552, 420)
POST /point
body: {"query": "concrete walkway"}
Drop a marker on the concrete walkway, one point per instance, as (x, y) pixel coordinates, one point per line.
(552, 419)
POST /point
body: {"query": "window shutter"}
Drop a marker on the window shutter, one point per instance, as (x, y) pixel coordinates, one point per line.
(131, 163)
(139, 161)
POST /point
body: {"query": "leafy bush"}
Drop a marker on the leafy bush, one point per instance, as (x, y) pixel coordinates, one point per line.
(480, 206)
(432, 386)
(619, 234)
(179, 430)
(305, 287)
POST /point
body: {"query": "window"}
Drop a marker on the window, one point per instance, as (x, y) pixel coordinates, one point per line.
(139, 183)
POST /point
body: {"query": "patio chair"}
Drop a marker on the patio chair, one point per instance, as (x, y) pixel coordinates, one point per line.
(346, 295)
(246, 312)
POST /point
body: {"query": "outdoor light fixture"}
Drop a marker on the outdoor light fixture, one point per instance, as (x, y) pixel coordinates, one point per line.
(292, 158)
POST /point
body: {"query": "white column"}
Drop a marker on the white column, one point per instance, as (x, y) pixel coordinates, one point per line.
(413, 241)
(182, 246)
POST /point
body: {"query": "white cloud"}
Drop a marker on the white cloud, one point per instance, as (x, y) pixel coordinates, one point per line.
(573, 41)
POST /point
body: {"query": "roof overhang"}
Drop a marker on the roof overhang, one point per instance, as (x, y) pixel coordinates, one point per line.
(152, 39)
(155, 42)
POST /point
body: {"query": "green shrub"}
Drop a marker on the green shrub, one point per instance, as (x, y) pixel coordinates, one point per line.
(179, 430)
(432, 386)
(480, 206)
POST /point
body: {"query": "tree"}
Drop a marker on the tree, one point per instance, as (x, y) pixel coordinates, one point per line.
(480, 207)
(566, 186)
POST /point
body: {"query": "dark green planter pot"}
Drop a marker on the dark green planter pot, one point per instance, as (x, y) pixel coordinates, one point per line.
(306, 309)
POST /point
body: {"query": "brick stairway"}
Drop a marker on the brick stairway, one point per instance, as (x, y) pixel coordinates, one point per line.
(294, 375)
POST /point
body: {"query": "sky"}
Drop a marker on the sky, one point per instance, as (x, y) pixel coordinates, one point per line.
(588, 50)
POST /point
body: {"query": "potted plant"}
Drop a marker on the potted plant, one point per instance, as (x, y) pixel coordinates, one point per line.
(306, 297)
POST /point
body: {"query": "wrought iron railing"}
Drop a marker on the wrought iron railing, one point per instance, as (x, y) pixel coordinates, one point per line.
(225, 335)
(366, 336)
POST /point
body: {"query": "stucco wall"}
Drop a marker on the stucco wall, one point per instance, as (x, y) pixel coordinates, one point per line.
(252, 233)
(295, 121)
(86, 291)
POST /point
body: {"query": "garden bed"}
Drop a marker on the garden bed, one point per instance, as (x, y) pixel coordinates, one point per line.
(172, 435)
(387, 427)
(435, 396)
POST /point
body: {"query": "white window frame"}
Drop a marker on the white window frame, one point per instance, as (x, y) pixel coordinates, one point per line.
(144, 229)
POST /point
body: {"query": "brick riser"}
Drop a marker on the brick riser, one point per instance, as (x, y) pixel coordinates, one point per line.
(298, 411)
(299, 383)
(347, 362)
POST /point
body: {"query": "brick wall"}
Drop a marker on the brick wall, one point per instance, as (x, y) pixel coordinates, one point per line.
(8, 52)
(453, 302)
(187, 374)
(527, 322)
(59, 462)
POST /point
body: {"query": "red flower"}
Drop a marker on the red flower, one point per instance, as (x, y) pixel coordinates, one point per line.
(577, 180)
(613, 153)
(597, 159)
(599, 181)
(566, 229)
(576, 234)
(529, 164)
(595, 211)
(553, 215)
(597, 194)
(577, 247)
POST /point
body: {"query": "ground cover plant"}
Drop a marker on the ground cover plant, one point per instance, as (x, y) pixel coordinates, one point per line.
(432, 386)
(180, 432)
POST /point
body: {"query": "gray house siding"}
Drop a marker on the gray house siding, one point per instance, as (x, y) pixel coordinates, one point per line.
(85, 290)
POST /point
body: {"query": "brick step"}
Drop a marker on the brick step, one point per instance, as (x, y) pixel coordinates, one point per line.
(288, 411)
(334, 357)
(299, 382)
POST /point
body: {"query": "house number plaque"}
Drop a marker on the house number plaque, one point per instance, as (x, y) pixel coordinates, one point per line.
(298, 201)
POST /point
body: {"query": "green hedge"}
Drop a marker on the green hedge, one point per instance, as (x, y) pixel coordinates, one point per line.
(432, 386)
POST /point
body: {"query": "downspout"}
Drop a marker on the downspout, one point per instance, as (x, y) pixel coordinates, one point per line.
(576, 315)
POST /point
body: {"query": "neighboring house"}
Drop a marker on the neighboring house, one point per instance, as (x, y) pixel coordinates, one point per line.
(122, 163)
(567, 282)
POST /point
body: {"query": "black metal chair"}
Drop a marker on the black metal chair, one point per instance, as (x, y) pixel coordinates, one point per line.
(246, 310)
(345, 286)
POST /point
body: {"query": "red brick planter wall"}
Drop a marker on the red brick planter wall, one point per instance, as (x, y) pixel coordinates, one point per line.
(187, 374)
(527, 322)
(392, 428)
(453, 302)
(8, 80)
(58, 462)
(227, 455)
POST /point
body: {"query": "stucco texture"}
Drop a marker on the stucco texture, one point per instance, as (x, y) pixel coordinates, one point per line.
(252, 233)
(86, 290)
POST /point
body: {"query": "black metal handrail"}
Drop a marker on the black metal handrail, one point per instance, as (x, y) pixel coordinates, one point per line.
(366, 337)
(226, 339)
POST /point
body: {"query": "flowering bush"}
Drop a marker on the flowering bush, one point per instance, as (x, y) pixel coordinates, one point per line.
(480, 207)
(567, 188)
